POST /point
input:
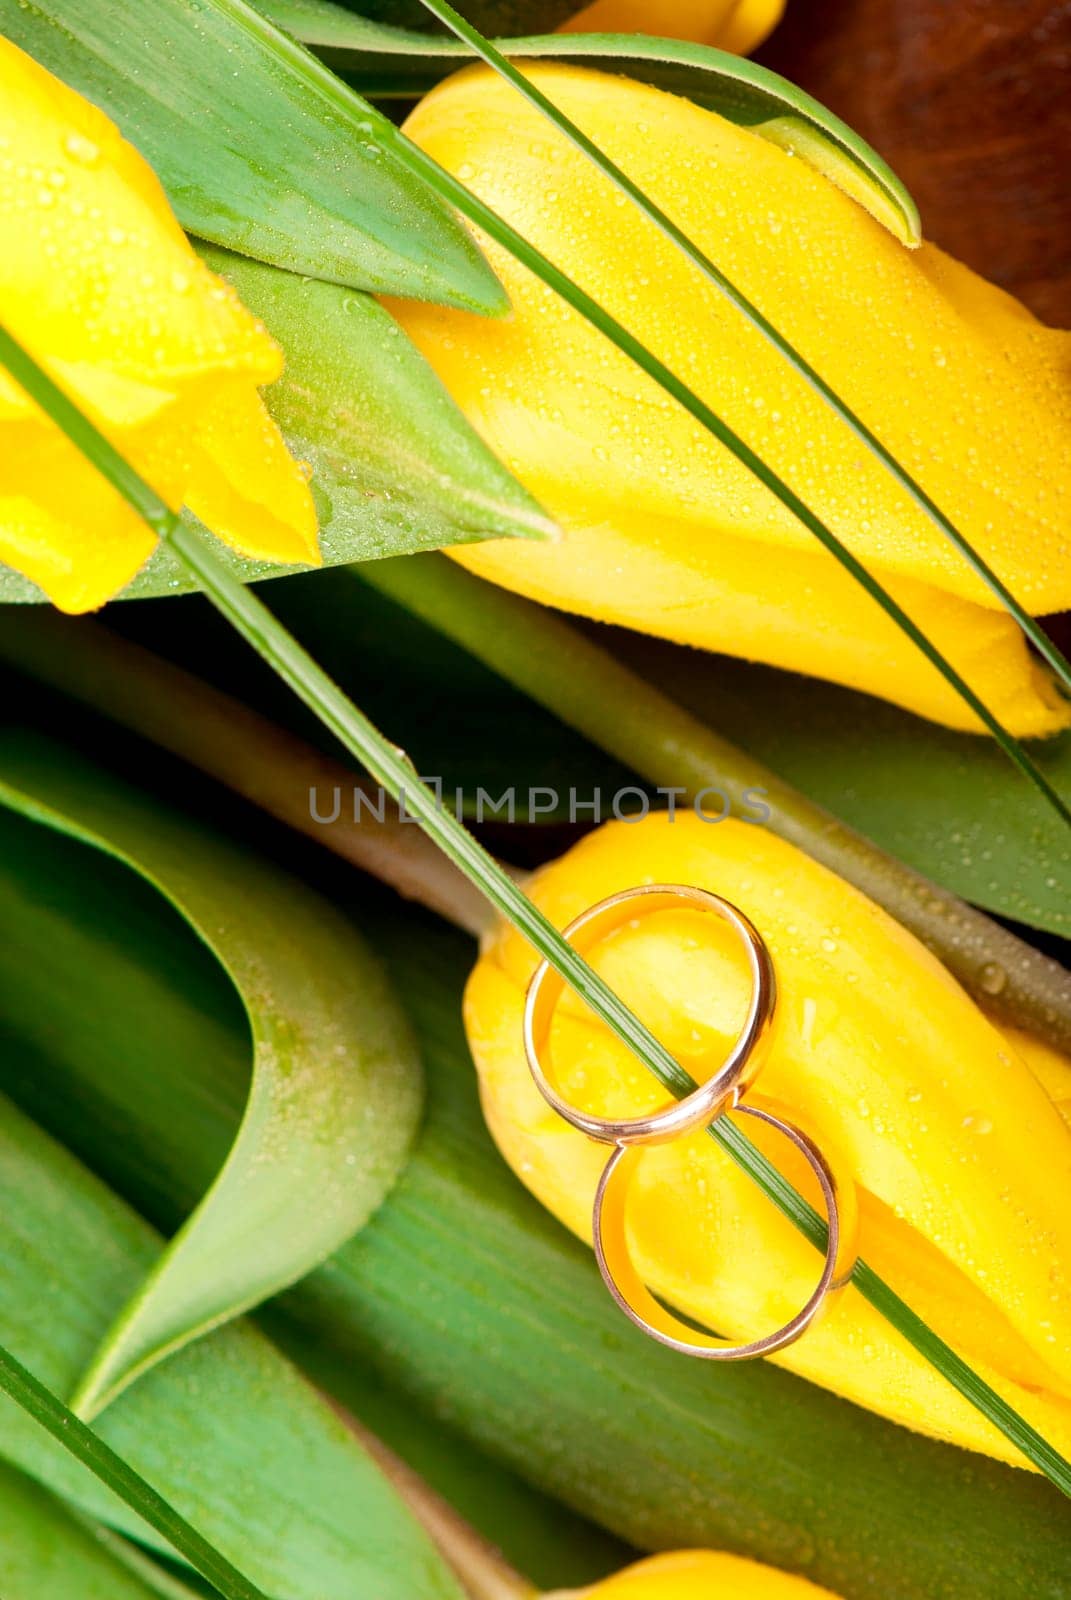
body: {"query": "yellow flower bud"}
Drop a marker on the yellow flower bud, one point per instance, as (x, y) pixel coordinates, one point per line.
(962, 1160)
(101, 286)
(698, 1575)
(664, 530)
(738, 25)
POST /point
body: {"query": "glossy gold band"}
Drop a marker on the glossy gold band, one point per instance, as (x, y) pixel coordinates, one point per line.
(730, 1079)
(639, 1304)
(721, 1092)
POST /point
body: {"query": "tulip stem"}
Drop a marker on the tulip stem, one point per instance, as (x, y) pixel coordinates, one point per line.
(494, 58)
(554, 663)
(390, 766)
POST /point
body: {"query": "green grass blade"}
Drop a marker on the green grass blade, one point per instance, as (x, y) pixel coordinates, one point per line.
(38, 1402)
(335, 1093)
(259, 147)
(392, 768)
(388, 61)
(48, 1553)
(714, 275)
(166, 1579)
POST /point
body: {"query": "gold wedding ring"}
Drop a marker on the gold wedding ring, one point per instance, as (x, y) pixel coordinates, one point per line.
(721, 1092)
(731, 1078)
(639, 1304)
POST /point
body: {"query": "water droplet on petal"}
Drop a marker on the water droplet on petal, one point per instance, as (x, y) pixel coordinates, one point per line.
(81, 149)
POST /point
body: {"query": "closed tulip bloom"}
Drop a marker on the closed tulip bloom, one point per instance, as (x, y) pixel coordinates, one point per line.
(961, 1157)
(101, 286)
(664, 530)
(698, 1575)
(737, 25)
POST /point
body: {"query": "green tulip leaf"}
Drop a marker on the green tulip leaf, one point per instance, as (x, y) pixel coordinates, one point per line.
(335, 1091)
(258, 146)
(395, 466)
(388, 61)
(129, 983)
(227, 1431)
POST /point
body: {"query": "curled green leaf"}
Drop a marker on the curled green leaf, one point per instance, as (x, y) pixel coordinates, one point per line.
(385, 61)
(335, 1092)
(228, 1432)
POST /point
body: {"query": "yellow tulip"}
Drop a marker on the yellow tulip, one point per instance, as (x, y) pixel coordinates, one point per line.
(664, 530)
(99, 283)
(698, 1575)
(963, 1161)
(737, 25)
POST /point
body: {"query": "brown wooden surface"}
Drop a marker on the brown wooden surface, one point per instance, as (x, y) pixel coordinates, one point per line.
(970, 102)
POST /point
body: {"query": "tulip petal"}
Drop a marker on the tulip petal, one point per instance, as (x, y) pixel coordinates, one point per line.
(736, 25)
(1050, 1068)
(245, 485)
(95, 268)
(970, 393)
(963, 1160)
(101, 285)
(62, 524)
(701, 1575)
(796, 609)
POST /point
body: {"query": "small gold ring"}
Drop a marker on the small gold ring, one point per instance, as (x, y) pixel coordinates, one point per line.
(724, 1087)
(639, 1304)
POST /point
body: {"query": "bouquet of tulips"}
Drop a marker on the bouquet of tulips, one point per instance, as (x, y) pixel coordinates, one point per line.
(608, 1133)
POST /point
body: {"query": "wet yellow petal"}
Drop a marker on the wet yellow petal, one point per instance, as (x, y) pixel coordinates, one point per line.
(700, 1575)
(97, 275)
(99, 283)
(970, 392)
(244, 484)
(1049, 1066)
(748, 24)
(53, 508)
(737, 25)
(796, 609)
(962, 1159)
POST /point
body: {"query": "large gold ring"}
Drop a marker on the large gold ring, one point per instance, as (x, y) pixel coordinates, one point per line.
(724, 1087)
(639, 1304)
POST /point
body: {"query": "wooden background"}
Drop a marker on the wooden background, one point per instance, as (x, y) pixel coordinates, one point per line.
(970, 102)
